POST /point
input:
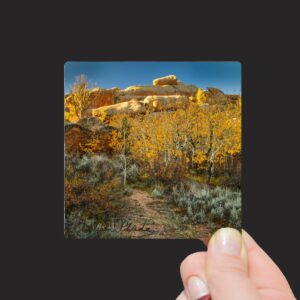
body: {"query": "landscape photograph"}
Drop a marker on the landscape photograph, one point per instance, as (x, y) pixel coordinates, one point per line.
(153, 150)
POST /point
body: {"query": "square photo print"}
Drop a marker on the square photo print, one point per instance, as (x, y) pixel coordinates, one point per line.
(152, 149)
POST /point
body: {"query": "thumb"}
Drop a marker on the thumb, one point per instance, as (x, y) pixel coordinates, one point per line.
(226, 267)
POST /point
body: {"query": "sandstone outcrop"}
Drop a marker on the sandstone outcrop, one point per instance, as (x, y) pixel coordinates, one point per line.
(158, 103)
(150, 103)
(167, 80)
(215, 96)
(132, 106)
(96, 98)
(167, 90)
(100, 97)
(233, 98)
(166, 93)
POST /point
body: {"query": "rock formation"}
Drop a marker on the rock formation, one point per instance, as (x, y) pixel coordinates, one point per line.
(128, 107)
(166, 93)
(150, 103)
(100, 97)
(216, 96)
(158, 103)
(167, 80)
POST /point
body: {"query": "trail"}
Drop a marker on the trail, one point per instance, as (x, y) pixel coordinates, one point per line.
(152, 218)
(149, 206)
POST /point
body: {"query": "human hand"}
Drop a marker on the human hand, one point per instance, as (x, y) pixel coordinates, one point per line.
(233, 268)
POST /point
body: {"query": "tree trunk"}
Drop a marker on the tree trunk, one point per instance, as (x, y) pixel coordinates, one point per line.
(209, 155)
(125, 170)
(210, 171)
(125, 161)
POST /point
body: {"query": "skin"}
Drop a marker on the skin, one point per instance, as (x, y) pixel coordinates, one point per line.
(250, 274)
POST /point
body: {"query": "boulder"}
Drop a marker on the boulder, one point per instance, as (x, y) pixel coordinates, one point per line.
(101, 97)
(159, 103)
(166, 93)
(125, 98)
(146, 90)
(215, 96)
(167, 80)
(233, 98)
(96, 97)
(132, 106)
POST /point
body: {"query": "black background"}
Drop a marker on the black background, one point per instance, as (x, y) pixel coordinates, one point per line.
(39, 38)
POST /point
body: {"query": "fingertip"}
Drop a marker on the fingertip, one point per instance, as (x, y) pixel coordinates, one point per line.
(182, 296)
(226, 266)
(192, 270)
(193, 264)
(248, 240)
(197, 288)
(226, 241)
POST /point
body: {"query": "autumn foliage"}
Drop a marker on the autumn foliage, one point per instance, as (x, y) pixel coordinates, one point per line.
(198, 142)
(169, 144)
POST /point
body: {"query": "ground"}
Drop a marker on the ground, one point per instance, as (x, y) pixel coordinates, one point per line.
(153, 218)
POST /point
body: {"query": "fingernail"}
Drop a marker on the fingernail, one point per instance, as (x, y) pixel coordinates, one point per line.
(228, 241)
(197, 289)
(182, 296)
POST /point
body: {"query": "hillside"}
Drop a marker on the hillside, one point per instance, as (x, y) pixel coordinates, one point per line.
(151, 161)
(166, 93)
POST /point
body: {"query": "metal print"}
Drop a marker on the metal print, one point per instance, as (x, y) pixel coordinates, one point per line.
(152, 149)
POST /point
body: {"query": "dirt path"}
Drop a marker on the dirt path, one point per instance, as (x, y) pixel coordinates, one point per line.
(153, 218)
(146, 203)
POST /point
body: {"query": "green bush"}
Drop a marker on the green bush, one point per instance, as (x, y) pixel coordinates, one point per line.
(78, 226)
(133, 173)
(204, 205)
(158, 191)
(94, 196)
(99, 168)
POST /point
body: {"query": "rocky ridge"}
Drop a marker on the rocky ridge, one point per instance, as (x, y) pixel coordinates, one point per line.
(166, 93)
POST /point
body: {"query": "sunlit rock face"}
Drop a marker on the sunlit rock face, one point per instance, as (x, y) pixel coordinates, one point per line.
(158, 103)
(166, 93)
(215, 96)
(101, 97)
(167, 80)
(150, 103)
(128, 107)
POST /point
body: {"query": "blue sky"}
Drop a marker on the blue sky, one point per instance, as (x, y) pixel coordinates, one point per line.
(223, 75)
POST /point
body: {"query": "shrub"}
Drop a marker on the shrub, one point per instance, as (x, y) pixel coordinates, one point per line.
(98, 167)
(84, 164)
(90, 179)
(94, 196)
(158, 191)
(79, 226)
(133, 173)
(204, 205)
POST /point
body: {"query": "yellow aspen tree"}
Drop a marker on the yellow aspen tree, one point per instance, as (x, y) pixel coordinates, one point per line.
(78, 101)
